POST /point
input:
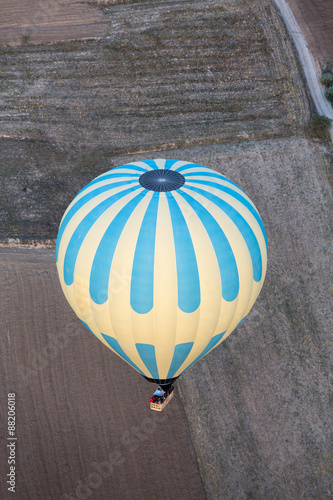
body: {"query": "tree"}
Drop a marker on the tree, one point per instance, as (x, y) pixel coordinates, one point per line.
(326, 79)
(329, 94)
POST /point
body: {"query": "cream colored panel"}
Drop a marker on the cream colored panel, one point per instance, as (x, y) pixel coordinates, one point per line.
(105, 182)
(179, 164)
(216, 180)
(160, 162)
(165, 289)
(243, 260)
(241, 209)
(129, 327)
(81, 214)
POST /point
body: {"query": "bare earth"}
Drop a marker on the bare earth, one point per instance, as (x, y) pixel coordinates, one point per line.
(258, 406)
(316, 20)
(164, 75)
(219, 84)
(48, 21)
(69, 19)
(77, 403)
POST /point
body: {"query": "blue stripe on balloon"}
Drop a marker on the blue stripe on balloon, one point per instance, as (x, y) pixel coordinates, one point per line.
(142, 282)
(241, 321)
(151, 163)
(100, 269)
(79, 204)
(82, 230)
(210, 174)
(243, 227)
(180, 354)
(212, 343)
(188, 282)
(190, 165)
(113, 175)
(169, 163)
(116, 347)
(129, 166)
(148, 356)
(110, 172)
(85, 324)
(223, 251)
(238, 197)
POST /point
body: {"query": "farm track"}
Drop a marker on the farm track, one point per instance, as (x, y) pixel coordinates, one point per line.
(316, 20)
(310, 65)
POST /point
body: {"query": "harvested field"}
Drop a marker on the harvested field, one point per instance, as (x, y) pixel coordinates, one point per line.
(257, 406)
(36, 21)
(315, 18)
(81, 411)
(165, 74)
(219, 84)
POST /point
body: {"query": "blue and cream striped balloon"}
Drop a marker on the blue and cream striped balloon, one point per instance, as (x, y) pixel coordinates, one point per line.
(161, 260)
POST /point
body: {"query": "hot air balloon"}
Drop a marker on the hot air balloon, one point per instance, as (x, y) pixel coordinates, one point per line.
(161, 260)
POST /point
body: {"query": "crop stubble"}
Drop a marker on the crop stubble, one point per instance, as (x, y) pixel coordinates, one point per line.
(161, 78)
(162, 75)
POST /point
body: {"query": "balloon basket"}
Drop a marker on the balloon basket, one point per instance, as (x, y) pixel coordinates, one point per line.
(159, 406)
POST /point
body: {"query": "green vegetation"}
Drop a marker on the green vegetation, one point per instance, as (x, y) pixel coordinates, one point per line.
(329, 67)
(326, 79)
(329, 94)
(320, 125)
(25, 39)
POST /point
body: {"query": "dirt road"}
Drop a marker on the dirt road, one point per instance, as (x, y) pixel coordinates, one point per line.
(316, 20)
(83, 417)
(258, 406)
(311, 67)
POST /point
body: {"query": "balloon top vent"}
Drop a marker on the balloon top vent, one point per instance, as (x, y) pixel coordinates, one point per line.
(162, 180)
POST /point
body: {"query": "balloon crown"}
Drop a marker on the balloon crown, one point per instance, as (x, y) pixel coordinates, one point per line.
(162, 180)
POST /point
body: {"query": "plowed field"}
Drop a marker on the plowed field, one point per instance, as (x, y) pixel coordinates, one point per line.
(221, 82)
(83, 424)
(36, 21)
(315, 18)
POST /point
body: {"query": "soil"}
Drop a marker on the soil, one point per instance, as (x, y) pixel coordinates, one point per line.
(165, 74)
(315, 18)
(36, 21)
(80, 409)
(219, 84)
(259, 405)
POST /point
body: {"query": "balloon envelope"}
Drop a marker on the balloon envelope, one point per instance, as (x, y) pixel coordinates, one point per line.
(161, 260)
